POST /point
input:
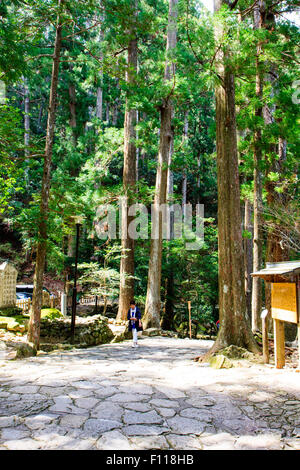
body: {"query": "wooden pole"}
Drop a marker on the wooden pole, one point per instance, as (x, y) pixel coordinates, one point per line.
(279, 344)
(74, 296)
(298, 370)
(265, 339)
(190, 318)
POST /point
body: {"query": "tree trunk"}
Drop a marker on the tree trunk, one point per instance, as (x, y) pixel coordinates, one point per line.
(168, 313)
(275, 251)
(248, 255)
(116, 109)
(41, 109)
(34, 324)
(257, 177)
(74, 170)
(129, 180)
(72, 108)
(168, 317)
(99, 103)
(71, 245)
(153, 299)
(234, 327)
(184, 177)
(26, 118)
(198, 178)
(170, 180)
(26, 131)
(107, 113)
(137, 151)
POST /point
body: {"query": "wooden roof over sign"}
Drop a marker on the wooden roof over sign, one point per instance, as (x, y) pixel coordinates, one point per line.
(279, 272)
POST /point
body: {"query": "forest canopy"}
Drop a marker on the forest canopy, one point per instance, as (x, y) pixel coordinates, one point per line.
(163, 102)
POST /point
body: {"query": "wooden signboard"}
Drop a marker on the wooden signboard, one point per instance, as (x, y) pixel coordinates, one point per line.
(284, 301)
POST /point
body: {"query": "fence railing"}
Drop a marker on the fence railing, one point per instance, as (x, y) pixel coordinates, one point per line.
(25, 304)
(54, 302)
(88, 299)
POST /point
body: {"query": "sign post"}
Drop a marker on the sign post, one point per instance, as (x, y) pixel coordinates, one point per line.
(285, 304)
(265, 340)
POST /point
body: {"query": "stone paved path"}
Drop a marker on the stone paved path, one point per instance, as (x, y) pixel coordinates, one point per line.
(153, 397)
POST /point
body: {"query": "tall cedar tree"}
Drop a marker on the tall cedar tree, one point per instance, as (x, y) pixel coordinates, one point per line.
(234, 328)
(153, 299)
(257, 179)
(34, 324)
(129, 180)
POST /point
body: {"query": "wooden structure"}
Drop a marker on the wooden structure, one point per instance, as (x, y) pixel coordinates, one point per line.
(285, 304)
(25, 304)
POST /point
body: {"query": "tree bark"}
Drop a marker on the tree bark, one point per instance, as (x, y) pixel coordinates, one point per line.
(184, 177)
(168, 311)
(107, 113)
(99, 102)
(26, 131)
(99, 105)
(41, 109)
(257, 178)
(129, 181)
(116, 108)
(34, 324)
(72, 108)
(248, 255)
(198, 178)
(153, 300)
(275, 251)
(137, 164)
(26, 118)
(234, 328)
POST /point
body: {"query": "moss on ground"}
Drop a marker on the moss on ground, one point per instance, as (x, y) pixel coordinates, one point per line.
(10, 311)
(51, 313)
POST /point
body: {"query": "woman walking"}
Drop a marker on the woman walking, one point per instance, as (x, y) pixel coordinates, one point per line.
(134, 317)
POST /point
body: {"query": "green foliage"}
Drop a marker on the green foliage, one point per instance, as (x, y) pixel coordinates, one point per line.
(195, 275)
(11, 145)
(87, 163)
(100, 281)
(12, 43)
(51, 313)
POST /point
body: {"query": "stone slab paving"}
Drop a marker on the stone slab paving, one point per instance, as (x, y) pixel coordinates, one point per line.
(114, 397)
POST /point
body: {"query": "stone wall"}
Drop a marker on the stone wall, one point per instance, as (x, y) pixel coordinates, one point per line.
(89, 331)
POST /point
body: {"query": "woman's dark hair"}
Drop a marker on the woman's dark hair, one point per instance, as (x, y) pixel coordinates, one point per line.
(132, 302)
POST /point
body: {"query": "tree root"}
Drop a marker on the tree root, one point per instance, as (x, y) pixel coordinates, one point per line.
(205, 357)
(218, 346)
